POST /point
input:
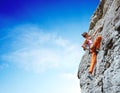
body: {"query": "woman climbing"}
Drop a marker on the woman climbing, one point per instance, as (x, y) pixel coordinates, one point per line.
(93, 47)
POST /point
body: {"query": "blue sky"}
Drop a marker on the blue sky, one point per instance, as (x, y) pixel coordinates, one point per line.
(40, 43)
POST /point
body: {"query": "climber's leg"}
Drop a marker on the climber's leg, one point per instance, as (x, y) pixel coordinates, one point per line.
(93, 47)
(97, 42)
(93, 61)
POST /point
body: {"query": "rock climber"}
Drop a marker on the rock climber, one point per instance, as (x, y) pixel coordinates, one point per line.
(92, 46)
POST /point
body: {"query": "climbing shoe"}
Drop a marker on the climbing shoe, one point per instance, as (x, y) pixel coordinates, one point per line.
(89, 77)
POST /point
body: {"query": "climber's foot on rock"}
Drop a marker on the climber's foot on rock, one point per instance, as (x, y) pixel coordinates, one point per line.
(90, 77)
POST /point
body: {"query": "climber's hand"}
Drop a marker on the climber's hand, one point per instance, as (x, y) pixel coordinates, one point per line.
(84, 49)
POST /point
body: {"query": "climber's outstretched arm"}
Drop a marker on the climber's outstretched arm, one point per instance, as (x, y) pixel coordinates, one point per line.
(98, 30)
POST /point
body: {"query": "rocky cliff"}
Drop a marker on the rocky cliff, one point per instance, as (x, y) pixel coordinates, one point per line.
(106, 75)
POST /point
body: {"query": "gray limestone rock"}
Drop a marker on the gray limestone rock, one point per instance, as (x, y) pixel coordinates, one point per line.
(106, 74)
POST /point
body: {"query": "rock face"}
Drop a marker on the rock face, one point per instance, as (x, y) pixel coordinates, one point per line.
(106, 74)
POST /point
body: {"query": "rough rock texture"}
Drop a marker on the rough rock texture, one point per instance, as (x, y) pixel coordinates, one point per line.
(106, 75)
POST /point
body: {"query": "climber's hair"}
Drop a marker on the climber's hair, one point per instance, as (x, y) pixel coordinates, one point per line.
(84, 34)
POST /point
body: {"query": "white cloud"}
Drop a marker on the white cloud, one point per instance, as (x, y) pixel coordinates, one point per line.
(33, 59)
(36, 50)
(62, 42)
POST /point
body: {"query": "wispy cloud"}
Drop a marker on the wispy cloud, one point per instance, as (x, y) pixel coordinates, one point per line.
(38, 50)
